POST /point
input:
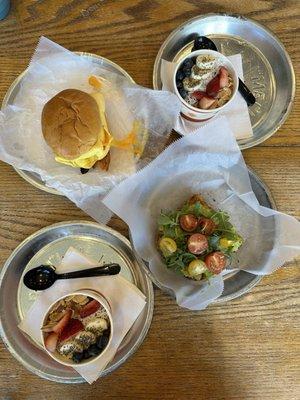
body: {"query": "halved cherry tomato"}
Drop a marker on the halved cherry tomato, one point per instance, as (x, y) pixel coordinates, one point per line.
(215, 262)
(207, 226)
(188, 222)
(197, 243)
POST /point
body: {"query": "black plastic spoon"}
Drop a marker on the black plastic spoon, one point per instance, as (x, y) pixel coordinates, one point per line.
(203, 42)
(42, 277)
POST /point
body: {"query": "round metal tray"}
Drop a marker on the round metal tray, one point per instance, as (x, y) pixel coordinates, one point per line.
(31, 177)
(236, 283)
(48, 245)
(267, 67)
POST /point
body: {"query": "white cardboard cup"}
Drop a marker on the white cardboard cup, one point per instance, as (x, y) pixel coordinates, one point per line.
(198, 114)
(104, 303)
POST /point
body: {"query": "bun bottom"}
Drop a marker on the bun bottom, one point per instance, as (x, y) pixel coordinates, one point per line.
(100, 164)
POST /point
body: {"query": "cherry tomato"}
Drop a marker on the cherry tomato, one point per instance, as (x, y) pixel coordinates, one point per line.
(196, 268)
(197, 243)
(167, 246)
(188, 222)
(215, 262)
(206, 225)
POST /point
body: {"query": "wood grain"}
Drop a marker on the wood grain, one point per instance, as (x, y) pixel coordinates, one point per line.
(247, 349)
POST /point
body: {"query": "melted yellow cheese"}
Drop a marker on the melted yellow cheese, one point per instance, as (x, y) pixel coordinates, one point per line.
(100, 148)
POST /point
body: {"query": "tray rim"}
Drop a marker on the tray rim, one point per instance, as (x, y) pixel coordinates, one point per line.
(149, 297)
(254, 22)
(25, 174)
(220, 299)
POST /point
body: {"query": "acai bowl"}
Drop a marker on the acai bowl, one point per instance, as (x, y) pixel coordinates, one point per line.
(206, 82)
(77, 328)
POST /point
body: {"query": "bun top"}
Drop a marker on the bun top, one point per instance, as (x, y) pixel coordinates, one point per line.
(71, 123)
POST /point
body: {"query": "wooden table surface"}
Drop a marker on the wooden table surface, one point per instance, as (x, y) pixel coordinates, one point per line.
(245, 349)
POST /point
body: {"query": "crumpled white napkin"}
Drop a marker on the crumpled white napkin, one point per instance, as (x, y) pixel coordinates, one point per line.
(126, 300)
(208, 162)
(237, 112)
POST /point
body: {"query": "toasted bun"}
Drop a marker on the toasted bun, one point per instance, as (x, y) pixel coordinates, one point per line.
(71, 123)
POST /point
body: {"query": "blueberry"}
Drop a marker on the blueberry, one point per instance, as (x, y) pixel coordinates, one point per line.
(180, 75)
(77, 357)
(99, 342)
(93, 350)
(186, 71)
(182, 93)
(84, 170)
(188, 63)
(179, 85)
(86, 354)
(103, 340)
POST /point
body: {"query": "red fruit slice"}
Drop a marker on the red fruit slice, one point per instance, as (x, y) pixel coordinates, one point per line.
(188, 222)
(62, 322)
(51, 342)
(223, 73)
(198, 94)
(206, 225)
(74, 326)
(206, 102)
(90, 308)
(197, 243)
(213, 86)
(215, 262)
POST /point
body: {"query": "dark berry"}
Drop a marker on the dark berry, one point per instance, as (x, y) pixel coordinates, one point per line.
(77, 357)
(102, 341)
(86, 354)
(105, 340)
(93, 350)
(188, 63)
(186, 71)
(182, 93)
(180, 75)
(84, 170)
(179, 85)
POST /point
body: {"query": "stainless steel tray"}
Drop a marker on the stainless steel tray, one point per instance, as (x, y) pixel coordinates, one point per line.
(236, 283)
(48, 245)
(268, 69)
(31, 177)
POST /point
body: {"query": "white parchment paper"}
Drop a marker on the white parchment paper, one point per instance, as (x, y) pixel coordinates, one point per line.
(53, 69)
(208, 162)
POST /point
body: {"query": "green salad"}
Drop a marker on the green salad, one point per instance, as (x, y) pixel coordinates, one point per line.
(196, 240)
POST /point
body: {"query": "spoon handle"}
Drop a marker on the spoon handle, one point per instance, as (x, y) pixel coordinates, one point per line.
(108, 269)
(245, 92)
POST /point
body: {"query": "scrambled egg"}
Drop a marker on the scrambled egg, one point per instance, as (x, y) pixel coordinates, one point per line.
(100, 148)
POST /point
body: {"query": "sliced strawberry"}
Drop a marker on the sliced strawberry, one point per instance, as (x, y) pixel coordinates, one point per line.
(51, 342)
(90, 308)
(223, 73)
(213, 86)
(58, 328)
(206, 102)
(74, 326)
(198, 94)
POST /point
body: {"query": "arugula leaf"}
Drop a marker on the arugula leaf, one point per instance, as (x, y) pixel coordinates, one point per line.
(179, 260)
(213, 242)
(165, 219)
(208, 274)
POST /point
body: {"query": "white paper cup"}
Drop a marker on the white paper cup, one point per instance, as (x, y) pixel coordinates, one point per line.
(197, 114)
(104, 303)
